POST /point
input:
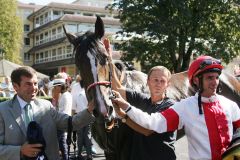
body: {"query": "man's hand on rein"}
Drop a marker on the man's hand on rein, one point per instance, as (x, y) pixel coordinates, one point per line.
(119, 101)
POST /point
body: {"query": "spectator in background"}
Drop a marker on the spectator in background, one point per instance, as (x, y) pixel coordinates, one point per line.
(7, 87)
(44, 87)
(76, 85)
(64, 105)
(79, 104)
(2, 93)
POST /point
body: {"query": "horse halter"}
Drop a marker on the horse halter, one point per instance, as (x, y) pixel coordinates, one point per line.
(109, 124)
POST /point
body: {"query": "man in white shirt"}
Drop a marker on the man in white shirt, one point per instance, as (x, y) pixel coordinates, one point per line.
(64, 106)
(83, 135)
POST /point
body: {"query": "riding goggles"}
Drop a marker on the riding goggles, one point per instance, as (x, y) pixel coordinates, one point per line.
(208, 62)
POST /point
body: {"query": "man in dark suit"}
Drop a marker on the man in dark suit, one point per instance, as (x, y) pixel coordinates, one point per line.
(13, 125)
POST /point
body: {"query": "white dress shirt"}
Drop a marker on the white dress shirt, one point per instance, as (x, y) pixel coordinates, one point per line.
(79, 100)
(65, 103)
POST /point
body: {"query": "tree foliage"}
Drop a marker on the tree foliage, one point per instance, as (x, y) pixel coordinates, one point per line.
(10, 30)
(171, 32)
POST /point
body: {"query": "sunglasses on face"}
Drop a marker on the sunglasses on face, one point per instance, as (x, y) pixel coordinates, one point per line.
(209, 62)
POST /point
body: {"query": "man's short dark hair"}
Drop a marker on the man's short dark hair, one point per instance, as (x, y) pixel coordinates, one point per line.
(22, 71)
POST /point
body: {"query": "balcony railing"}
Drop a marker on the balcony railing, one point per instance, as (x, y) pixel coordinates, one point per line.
(48, 39)
(54, 58)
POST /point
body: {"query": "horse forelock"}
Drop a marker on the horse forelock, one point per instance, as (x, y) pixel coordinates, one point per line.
(88, 42)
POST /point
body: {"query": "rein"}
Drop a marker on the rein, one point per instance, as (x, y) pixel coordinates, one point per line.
(103, 83)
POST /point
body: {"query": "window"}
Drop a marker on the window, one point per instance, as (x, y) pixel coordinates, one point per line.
(116, 17)
(46, 15)
(27, 41)
(69, 49)
(37, 20)
(26, 57)
(53, 34)
(87, 14)
(26, 27)
(41, 38)
(46, 36)
(56, 13)
(54, 55)
(68, 12)
(37, 40)
(37, 24)
(72, 28)
(46, 54)
(59, 29)
(101, 15)
(41, 54)
(41, 19)
(37, 56)
(60, 51)
(53, 31)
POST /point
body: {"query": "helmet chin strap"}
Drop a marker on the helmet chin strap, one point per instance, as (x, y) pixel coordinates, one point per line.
(199, 94)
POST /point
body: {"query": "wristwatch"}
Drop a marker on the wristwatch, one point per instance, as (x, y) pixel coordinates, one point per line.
(124, 119)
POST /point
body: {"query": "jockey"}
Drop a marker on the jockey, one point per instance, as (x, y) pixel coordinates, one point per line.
(208, 119)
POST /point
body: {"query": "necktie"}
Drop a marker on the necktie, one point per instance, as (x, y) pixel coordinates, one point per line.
(27, 114)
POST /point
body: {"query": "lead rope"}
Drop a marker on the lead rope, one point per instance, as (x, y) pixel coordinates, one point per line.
(69, 134)
(199, 95)
(74, 140)
(111, 95)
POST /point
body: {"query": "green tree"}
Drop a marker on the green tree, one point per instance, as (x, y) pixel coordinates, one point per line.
(171, 32)
(10, 30)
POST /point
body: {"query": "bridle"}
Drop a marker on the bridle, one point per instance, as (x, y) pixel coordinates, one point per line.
(108, 124)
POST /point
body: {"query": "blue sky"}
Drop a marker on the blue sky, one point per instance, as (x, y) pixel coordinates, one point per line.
(44, 2)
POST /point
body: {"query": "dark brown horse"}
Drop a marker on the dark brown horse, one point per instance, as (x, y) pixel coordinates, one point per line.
(91, 59)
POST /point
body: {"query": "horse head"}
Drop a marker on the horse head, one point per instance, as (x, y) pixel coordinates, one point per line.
(91, 59)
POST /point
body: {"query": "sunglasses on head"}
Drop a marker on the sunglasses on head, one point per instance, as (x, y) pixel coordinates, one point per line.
(209, 62)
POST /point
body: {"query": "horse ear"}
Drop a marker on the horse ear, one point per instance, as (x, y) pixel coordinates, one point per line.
(99, 28)
(71, 37)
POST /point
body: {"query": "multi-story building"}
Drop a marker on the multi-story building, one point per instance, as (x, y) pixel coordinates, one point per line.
(50, 51)
(23, 11)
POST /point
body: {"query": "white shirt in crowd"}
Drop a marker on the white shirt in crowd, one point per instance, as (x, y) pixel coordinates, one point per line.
(79, 102)
(65, 103)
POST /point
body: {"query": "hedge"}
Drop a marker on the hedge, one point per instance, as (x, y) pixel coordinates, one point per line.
(2, 99)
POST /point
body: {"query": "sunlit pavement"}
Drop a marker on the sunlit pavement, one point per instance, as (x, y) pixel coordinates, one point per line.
(181, 150)
(98, 156)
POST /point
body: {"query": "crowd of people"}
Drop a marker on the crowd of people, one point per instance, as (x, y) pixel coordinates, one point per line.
(210, 121)
(68, 99)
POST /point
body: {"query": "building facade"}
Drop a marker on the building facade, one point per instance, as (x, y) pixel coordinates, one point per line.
(23, 11)
(48, 49)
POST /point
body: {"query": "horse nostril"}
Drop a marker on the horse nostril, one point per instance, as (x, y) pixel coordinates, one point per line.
(107, 120)
(110, 110)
